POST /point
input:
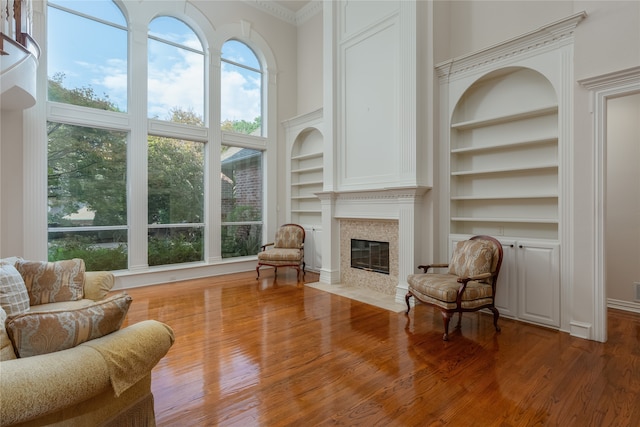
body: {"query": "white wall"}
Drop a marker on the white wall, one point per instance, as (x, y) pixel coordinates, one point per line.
(11, 193)
(310, 65)
(622, 227)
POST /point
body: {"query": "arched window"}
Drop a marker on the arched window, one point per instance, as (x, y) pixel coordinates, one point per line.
(176, 72)
(240, 89)
(82, 69)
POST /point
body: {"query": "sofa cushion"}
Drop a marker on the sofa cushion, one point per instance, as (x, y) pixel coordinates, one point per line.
(471, 258)
(53, 281)
(97, 284)
(47, 332)
(14, 298)
(6, 348)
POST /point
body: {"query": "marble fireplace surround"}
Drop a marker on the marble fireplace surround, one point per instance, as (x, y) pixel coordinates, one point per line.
(391, 215)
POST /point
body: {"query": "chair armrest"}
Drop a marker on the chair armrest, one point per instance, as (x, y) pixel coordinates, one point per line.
(263, 247)
(475, 278)
(425, 268)
(97, 284)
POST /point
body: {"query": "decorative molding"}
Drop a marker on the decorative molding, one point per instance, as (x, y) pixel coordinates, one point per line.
(286, 15)
(309, 119)
(528, 43)
(603, 87)
(616, 78)
(581, 330)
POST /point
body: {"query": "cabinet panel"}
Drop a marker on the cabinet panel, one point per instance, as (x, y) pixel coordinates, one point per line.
(539, 282)
(313, 248)
(506, 289)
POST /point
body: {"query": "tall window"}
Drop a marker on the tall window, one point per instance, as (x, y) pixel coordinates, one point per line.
(175, 164)
(87, 165)
(241, 178)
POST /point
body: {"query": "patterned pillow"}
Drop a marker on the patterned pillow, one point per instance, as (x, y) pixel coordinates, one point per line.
(14, 298)
(47, 332)
(470, 258)
(53, 281)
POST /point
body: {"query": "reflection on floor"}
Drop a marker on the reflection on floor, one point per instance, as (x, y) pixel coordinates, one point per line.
(363, 295)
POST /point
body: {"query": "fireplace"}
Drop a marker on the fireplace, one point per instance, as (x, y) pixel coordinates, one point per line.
(370, 255)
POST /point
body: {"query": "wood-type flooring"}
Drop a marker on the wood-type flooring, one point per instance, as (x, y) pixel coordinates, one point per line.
(277, 353)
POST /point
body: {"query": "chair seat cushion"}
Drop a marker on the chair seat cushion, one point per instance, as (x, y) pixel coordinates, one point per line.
(290, 256)
(442, 290)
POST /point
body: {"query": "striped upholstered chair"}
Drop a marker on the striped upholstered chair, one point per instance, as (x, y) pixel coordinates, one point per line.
(468, 285)
(287, 250)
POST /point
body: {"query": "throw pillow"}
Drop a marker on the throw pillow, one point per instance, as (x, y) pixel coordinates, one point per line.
(470, 258)
(47, 332)
(14, 298)
(53, 281)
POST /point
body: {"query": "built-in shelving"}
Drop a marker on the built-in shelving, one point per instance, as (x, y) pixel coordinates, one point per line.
(505, 118)
(504, 163)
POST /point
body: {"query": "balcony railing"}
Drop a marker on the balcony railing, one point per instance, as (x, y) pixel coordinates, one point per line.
(16, 18)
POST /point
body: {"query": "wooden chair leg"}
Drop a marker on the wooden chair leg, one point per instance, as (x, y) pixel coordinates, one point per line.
(446, 317)
(406, 299)
(496, 315)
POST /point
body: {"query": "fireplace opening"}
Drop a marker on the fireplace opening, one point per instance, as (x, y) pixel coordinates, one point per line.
(370, 255)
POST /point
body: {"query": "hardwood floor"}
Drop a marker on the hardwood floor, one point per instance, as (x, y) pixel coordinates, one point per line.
(262, 353)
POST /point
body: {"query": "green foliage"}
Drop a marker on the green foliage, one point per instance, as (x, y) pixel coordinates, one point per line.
(242, 126)
(95, 258)
(241, 240)
(83, 96)
(177, 248)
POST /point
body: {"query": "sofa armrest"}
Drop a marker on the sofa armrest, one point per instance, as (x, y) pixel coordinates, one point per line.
(31, 387)
(38, 385)
(97, 284)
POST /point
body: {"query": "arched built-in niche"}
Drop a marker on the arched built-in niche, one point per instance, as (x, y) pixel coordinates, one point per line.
(504, 157)
(306, 177)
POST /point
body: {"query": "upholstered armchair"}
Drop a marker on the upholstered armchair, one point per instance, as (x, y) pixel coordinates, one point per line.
(468, 285)
(287, 250)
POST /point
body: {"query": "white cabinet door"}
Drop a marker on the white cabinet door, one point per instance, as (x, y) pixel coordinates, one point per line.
(538, 265)
(313, 248)
(507, 287)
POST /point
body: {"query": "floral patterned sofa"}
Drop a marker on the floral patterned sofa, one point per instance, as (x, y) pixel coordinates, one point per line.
(64, 360)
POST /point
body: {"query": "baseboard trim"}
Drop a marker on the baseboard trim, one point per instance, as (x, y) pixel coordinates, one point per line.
(633, 307)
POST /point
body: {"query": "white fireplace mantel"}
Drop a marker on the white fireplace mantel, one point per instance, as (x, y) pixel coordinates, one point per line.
(402, 204)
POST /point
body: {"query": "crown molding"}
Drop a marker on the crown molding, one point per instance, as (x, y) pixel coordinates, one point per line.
(543, 37)
(286, 15)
